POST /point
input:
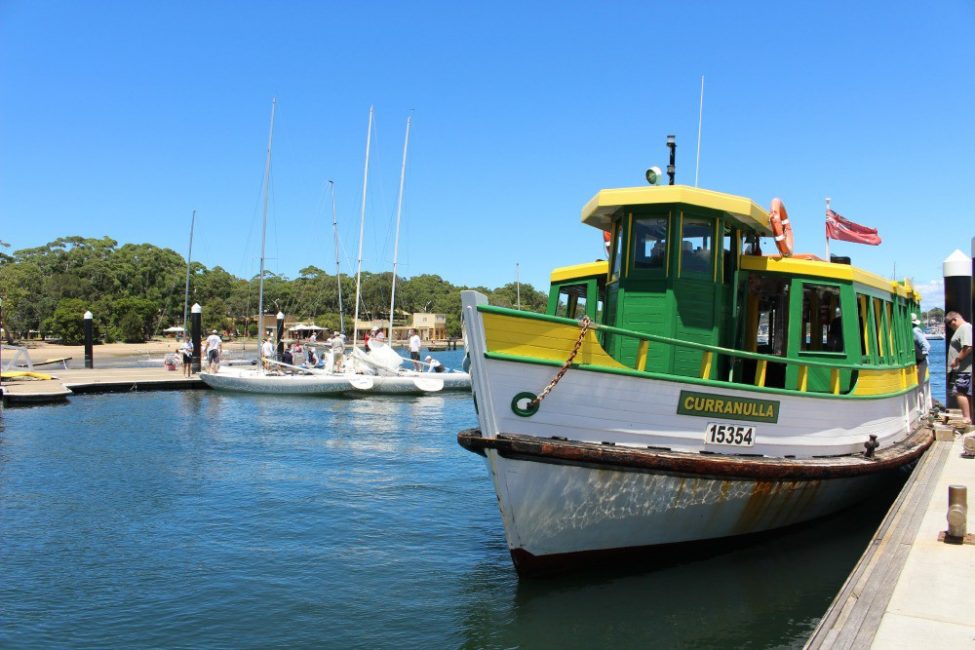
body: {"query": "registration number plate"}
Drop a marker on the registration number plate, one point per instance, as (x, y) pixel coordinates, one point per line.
(738, 435)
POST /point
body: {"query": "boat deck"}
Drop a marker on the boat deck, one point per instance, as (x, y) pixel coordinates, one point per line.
(911, 589)
(95, 380)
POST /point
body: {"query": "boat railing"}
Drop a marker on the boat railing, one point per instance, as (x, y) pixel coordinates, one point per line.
(906, 376)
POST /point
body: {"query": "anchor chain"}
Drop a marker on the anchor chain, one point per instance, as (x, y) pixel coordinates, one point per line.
(584, 326)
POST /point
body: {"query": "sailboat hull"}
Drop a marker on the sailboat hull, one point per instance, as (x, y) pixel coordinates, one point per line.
(257, 381)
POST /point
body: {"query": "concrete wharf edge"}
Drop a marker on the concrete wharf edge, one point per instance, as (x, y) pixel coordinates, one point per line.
(909, 589)
(96, 380)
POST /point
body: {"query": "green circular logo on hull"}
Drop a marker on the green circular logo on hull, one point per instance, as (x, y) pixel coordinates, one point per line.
(524, 404)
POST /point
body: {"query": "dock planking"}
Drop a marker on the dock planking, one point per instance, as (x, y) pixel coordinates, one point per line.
(909, 589)
(65, 383)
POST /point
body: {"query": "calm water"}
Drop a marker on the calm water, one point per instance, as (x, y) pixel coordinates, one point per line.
(207, 520)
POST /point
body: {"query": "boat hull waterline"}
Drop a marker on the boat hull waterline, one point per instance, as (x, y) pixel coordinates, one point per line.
(564, 502)
(608, 462)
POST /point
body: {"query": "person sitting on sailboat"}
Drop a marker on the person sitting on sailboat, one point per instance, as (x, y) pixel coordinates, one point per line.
(433, 365)
(377, 340)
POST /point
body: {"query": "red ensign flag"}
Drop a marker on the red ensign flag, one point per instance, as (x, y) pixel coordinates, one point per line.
(841, 228)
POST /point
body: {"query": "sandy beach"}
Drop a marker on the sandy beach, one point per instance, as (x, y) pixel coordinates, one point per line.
(41, 351)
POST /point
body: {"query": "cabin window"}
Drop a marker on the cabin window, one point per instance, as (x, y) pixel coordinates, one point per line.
(768, 299)
(729, 257)
(878, 328)
(864, 320)
(650, 237)
(617, 252)
(572, 301)
(891, 350)
(697, 242)
(822, 323)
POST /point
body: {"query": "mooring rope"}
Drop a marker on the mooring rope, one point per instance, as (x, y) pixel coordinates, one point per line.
(584, 326)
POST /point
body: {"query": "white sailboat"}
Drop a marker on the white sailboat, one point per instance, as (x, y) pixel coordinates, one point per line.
(278, 378)
(381, 363)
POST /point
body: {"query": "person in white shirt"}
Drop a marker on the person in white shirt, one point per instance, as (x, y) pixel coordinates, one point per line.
(186, 351)
(433, 365)
(214, 344)
(267, 352)
(415, 344)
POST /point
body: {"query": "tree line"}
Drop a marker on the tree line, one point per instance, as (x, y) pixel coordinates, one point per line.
(134, 291)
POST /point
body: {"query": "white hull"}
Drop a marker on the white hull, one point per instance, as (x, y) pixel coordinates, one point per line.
(551, 511)
(410, 383)
(576, 477)
(322, 383)
(258, 381)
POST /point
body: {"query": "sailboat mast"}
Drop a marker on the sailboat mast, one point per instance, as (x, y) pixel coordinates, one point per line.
(362, 225)
(267, 183)
(338, 268)
(399, 210)
(189, 257)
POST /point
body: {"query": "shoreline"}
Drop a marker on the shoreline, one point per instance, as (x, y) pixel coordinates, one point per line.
(43, 351)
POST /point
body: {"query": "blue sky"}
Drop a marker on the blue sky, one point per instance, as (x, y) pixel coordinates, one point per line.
(121, 118)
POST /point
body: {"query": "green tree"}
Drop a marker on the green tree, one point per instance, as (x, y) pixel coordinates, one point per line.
(136, 319)
(67, 321)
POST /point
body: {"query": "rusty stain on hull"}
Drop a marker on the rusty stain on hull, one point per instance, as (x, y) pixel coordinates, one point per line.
(717, 466)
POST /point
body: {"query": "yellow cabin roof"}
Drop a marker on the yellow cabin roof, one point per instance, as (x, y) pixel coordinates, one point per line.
(580, 271)
(829, 270)
(599, 211)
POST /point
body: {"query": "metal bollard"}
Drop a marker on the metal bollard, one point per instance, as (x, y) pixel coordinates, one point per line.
(957, 510)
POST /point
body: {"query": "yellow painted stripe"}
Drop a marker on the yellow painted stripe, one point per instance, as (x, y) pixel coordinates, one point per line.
(580, 271)
(879, 382)
(820, 269)
(542, 340)
(803, 378)
(641, 354)
(706, 360)
(600, 209)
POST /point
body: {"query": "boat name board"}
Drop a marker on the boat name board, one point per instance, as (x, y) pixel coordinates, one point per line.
(730, 408)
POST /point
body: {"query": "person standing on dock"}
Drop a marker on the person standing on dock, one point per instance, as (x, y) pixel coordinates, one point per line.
(921, 349)
(214, 343)
(960, 362)
(415, 344)
(186, 352)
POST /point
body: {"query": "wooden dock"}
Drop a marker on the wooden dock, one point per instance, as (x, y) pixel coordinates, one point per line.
(95, 380)
(910, 588)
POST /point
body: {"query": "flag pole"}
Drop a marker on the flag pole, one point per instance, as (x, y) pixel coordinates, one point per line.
(827, 231)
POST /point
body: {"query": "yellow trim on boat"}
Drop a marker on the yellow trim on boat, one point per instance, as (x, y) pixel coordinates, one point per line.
(599, 210)
(580, 271)
(542, 340)
(828, 270)
(882, 382)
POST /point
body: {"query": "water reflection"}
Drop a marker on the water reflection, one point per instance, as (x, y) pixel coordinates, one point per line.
(766, 591)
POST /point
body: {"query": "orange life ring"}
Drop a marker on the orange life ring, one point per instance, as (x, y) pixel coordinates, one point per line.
(778, 220)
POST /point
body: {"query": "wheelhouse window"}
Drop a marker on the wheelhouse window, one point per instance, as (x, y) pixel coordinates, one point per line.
(572, 301)
(822, 322)
(650, 243)
(617, 252)
(696, 246)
